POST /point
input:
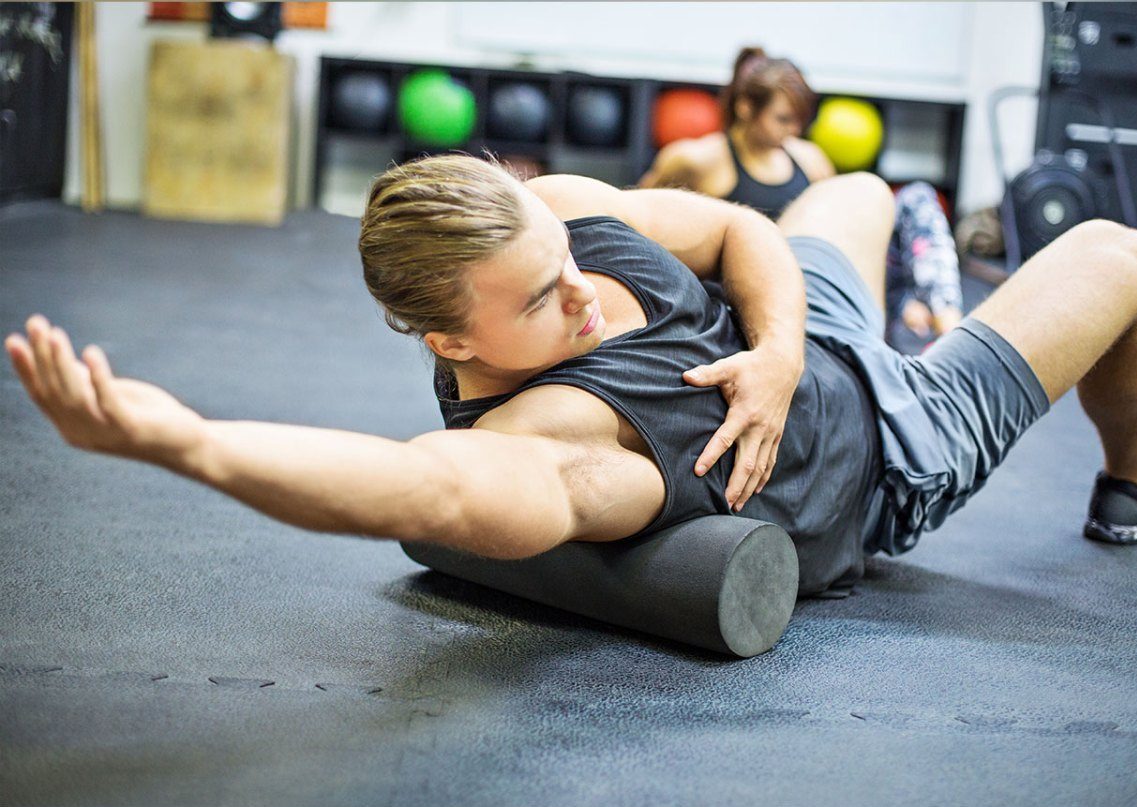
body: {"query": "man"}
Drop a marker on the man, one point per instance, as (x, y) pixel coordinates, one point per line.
(849, 445)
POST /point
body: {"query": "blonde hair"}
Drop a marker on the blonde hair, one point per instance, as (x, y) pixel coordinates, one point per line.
(426, 222)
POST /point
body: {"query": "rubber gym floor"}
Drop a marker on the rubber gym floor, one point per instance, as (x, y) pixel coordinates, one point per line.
(163, 645)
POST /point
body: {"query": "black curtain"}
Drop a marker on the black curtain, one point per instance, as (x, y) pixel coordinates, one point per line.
(35, 70)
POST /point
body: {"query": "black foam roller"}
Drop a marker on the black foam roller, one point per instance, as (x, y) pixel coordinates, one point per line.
(724, 583)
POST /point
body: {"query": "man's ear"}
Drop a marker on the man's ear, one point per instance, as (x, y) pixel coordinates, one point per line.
(454, 348)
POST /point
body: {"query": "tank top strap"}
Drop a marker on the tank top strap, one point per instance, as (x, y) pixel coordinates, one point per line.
(799, 172)
(738, 167)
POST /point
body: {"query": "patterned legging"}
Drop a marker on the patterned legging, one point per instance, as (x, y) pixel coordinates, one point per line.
(922, 261)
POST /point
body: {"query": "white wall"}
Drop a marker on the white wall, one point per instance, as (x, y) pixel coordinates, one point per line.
(955, 52)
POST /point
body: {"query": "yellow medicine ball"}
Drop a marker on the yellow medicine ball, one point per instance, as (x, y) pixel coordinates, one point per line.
(849, 131)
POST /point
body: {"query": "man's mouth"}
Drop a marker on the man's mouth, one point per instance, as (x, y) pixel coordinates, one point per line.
(590, 326)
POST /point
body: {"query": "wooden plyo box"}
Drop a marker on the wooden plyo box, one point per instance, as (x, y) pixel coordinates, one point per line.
(218, 121)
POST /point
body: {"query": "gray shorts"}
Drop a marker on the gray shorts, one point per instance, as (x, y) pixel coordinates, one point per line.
(946, 418)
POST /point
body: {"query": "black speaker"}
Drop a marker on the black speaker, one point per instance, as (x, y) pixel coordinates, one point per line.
(1088, 96)
(1050, 197)
(229, 20)
(1057, 190)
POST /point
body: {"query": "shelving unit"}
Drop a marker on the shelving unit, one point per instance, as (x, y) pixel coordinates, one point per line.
(923, 139)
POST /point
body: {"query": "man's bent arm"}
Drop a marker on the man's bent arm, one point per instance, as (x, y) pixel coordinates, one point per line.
(763, 282)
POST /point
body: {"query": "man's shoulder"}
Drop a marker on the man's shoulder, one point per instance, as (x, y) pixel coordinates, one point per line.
(571, 415)
(556, 411)
(599, 452)
(572, 197)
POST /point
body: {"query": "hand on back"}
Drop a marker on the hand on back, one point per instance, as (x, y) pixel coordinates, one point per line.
(758, 386)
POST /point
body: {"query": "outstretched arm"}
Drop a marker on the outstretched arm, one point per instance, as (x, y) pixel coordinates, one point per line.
(499, 495)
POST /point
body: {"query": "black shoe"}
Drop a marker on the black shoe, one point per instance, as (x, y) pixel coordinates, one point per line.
(1113, 511)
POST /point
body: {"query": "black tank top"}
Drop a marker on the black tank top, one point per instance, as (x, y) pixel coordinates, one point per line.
(768, 199)
(826, 463)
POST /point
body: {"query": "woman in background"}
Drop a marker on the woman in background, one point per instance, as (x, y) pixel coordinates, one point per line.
(760, 160)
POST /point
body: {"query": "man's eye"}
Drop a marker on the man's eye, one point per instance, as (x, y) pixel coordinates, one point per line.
(544, 300)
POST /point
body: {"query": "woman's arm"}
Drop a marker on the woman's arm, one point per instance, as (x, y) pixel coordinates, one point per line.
(673, 167)
(498, 495)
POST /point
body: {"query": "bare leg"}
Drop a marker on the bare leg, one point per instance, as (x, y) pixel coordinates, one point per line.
(1071, 311)
(853, 212)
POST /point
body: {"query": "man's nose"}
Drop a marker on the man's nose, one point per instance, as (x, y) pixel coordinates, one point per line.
(582, 293)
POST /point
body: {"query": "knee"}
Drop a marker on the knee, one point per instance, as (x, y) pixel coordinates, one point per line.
(1108, 239)
(871, 190)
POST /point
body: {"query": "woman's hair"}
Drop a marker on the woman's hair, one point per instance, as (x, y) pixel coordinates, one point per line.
(757, 77)
(426, 222)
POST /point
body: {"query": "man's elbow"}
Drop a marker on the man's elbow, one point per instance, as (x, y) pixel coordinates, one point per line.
(499, 538)
(510, 528)
(747, 222)
(496, 527)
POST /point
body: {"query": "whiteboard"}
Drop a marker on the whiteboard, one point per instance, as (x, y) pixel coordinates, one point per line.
(874, 42)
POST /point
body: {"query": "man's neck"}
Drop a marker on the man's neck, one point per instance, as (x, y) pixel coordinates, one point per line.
(476, 380)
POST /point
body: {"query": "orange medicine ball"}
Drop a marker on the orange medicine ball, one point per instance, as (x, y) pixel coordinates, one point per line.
(684, 113)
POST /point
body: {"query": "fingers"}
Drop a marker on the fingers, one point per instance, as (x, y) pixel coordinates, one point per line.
(745, 469)
(71, 376)
(749, 468)
(702, 376)
(694, 376)
(770, 463)
(20, 353)
(752, 469)
(39, 330)
(755, 453)
(101, 379)
(719, 444)
(761, 466)
(31, 357)
(47, 366)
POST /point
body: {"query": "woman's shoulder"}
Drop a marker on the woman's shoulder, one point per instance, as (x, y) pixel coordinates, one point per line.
(688, 161)
(703, 153)
(693, 157)
(810, 157)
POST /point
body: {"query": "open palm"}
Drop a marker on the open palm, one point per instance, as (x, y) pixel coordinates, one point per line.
(90, 407)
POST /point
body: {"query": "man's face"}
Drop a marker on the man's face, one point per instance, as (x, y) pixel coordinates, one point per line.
(531, 306)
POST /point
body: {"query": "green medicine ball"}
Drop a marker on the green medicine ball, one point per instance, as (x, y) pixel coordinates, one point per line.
(436, 110)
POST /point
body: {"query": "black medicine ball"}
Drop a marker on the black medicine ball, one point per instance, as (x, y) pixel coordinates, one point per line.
(595, 117)
(360, 101)
(519, 112)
